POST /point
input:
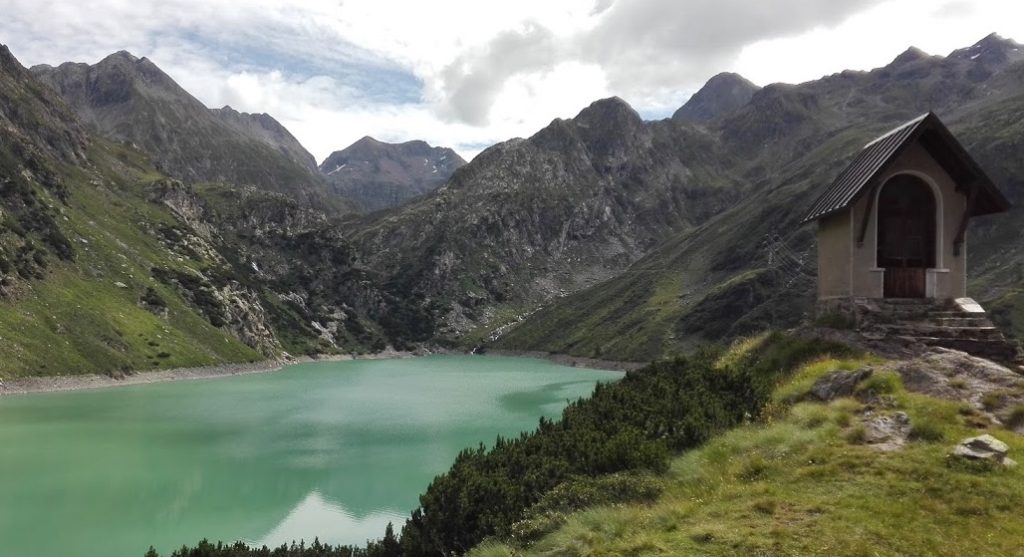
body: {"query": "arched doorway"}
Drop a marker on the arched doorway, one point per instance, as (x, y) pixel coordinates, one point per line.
(906, 235)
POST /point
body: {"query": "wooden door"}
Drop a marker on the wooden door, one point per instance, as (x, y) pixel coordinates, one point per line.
(904, 283)
(906, 236)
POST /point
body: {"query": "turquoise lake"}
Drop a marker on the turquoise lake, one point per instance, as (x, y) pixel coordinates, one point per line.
(332, 449)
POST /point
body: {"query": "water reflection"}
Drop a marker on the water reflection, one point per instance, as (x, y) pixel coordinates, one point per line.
(315, 517)
(333, 450)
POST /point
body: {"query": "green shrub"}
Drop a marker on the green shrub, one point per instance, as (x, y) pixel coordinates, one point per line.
(927, 431)
(857, 435)
(835, 320)
(754, 468)
(993, 400)
(879, 384)
(766, 506)
(1015, 418)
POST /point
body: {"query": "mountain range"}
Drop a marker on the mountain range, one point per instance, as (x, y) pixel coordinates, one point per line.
(377, 175)
(213, 236)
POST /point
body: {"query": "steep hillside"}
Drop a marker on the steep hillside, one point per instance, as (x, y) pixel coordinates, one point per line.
(867, 471)
(130, 99)
(752, 265)
(77, 248)
(377, 175)
(532, 219)
(109, 266)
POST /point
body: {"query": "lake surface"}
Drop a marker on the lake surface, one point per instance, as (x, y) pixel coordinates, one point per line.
(334, 450)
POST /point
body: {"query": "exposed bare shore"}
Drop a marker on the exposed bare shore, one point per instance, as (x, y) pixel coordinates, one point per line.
(56, 383)
(571, 361)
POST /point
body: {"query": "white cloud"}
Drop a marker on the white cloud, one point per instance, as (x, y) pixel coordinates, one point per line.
(466, 73)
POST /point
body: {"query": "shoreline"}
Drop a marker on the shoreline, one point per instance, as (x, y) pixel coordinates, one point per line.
(65, 383)
(570, 361)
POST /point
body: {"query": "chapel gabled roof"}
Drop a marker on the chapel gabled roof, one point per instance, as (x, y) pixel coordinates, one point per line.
(870, 164)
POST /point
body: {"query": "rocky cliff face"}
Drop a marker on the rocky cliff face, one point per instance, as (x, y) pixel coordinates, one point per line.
(377, 175)
(37, 134)
(268, 130)
(532, 219)
(130, 99)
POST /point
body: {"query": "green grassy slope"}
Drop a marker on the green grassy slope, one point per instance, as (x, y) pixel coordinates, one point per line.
(86, 315)
(802, 483)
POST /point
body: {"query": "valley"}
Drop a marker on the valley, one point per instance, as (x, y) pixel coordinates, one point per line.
(631, 238)
(146, 237)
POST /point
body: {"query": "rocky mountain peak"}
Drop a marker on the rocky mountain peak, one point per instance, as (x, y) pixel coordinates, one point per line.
(120, 56)
(364, 144)
(609, 129)
(379, 175)
(267, 129)
(35, 114)
(127, 98)
(910, 55)
(611, 111)
(722, 95)
(992, 50)
(7, 60)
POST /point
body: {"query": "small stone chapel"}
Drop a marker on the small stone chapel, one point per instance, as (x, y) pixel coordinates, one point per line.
(893, 224)
(892, 242)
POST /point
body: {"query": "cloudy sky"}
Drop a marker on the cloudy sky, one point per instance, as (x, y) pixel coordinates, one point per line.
(469, 73)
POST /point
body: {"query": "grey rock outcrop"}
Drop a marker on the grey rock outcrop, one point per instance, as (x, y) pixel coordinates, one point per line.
(954, 375)
(837, 384)
(887, 432)
(984, 447)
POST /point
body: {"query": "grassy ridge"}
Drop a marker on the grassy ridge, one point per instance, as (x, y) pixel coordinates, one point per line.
(802, 483)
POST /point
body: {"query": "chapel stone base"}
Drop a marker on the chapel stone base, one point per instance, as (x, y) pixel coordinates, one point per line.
(959, 324)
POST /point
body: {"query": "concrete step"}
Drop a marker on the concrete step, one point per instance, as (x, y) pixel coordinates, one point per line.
(912, 302)
(958, 321)
(905, 313)
(929, 331)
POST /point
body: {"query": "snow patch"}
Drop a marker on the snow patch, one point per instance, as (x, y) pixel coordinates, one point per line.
(339, 167)
(975, 57)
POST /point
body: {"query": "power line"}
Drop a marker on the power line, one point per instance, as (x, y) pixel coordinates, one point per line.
(794, 266)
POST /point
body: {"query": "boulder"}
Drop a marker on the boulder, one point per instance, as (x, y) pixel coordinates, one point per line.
(984, 447)
(955, 375)
(837, 384)
(887, 432)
